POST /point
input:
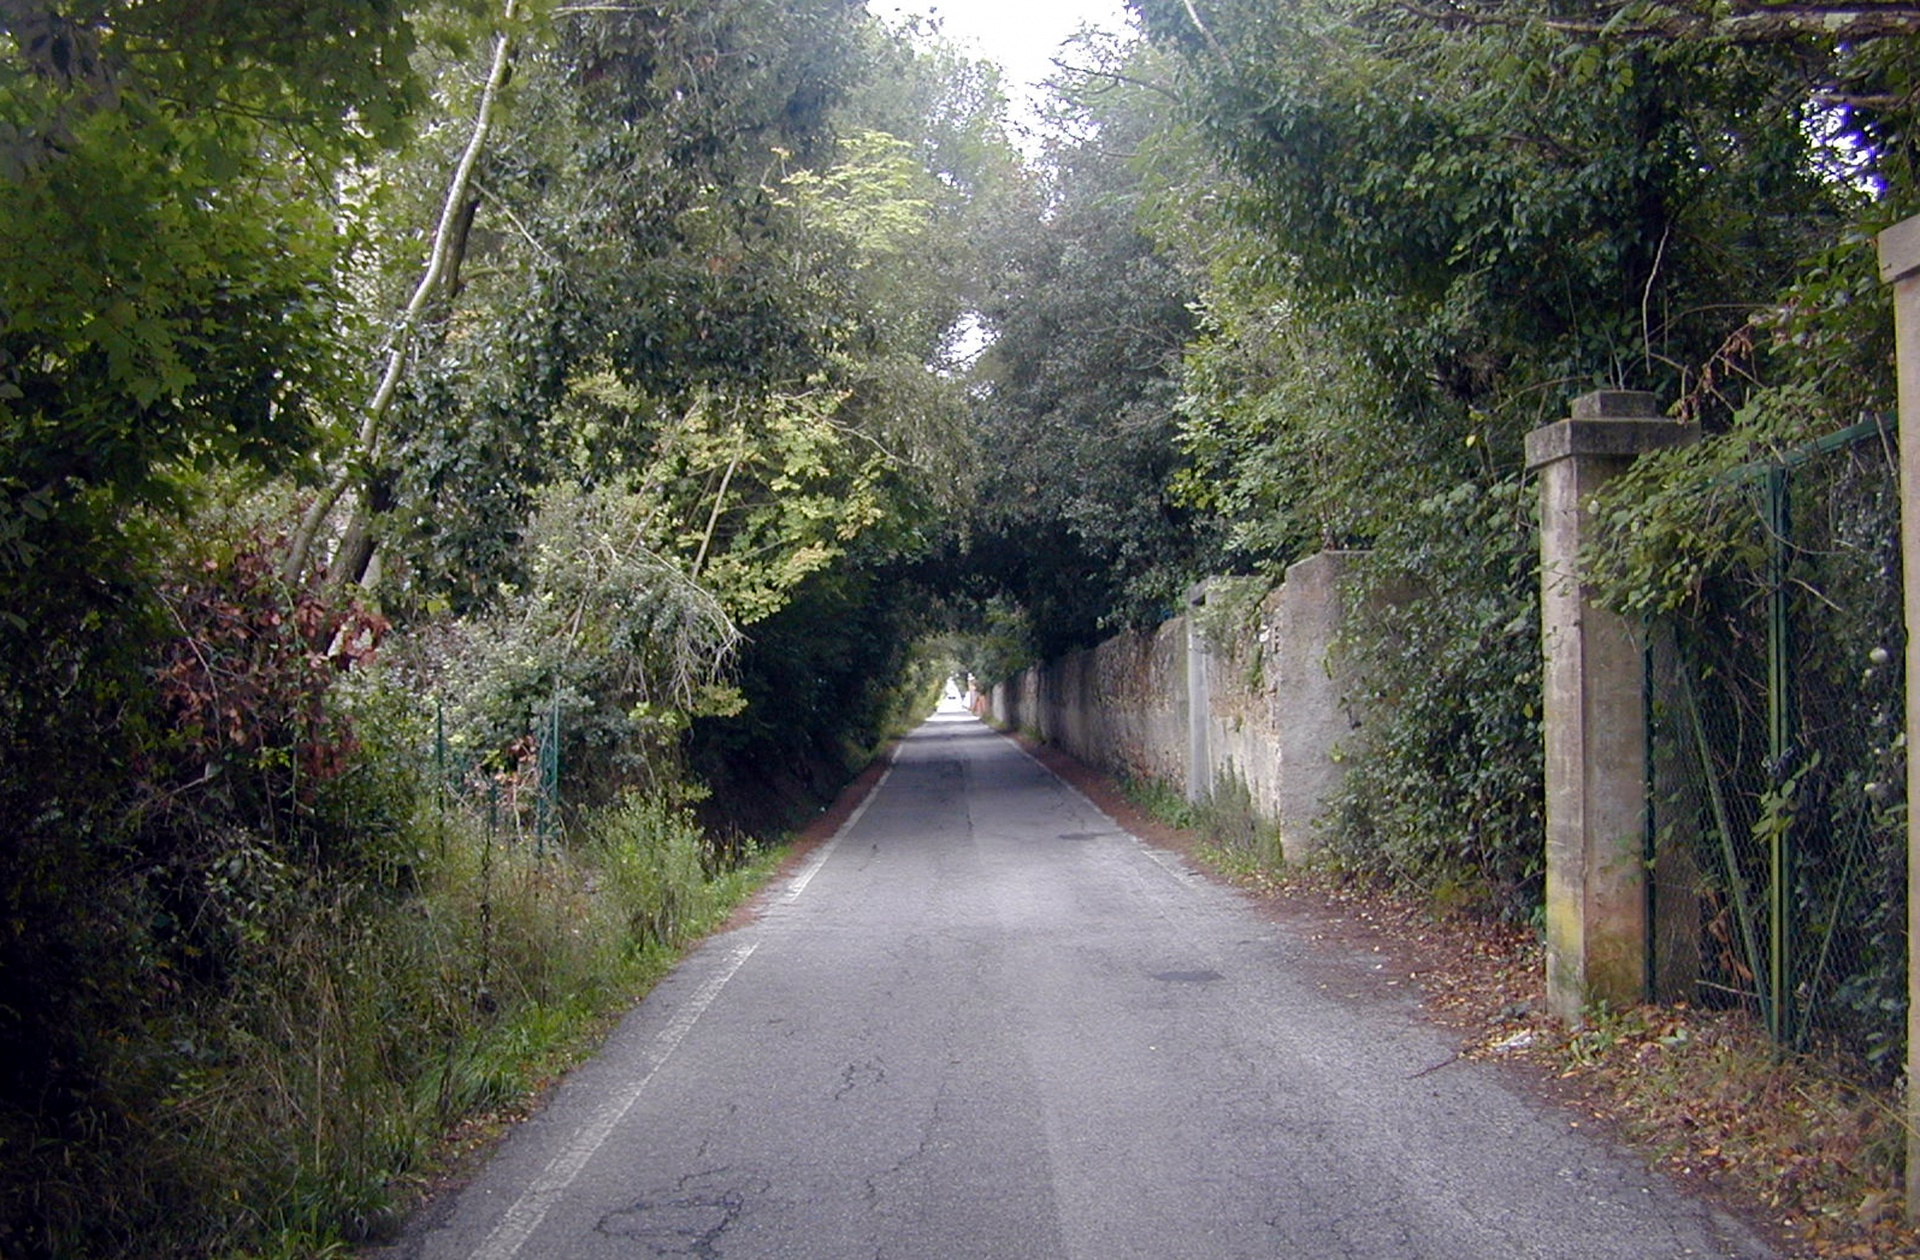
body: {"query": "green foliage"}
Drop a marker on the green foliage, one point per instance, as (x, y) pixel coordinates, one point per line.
(826, 680)
(677, 375)
(682, 283)
(651, 857)
(237, 788)
(1426, 235)
(334, 72)
(1162, 800)
(1230, 825)
(693, 366)
(1077, 393)
(1233, 826)
(125, 256)
(623, 219)
(949, 107)
(1446, 789)
(1831, 331)
(1769, 567)
(768, 492)
(1683, 517)
(1560, 200)
(1302, 430)
(170, 756)
(169, 265)
(1441, 232)
(990, 639)
(350, 1025)
(196, 768)
(616, 635)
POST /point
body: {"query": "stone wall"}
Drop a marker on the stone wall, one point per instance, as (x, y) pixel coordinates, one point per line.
(1250, 689)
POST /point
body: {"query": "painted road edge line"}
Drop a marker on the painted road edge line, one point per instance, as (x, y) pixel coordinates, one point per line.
(520, 1220)
(819, 859)
(1172, 864)
(538, 1198)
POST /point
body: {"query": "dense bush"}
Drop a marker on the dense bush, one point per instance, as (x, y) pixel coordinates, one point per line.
(350, 1024)
(255, 957)
(817, 705)
(614, 636)
(261, 930)
(1446, 791)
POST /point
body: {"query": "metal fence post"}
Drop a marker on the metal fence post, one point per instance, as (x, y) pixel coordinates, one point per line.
(440, 771)
(1780, 750)
(546, 791)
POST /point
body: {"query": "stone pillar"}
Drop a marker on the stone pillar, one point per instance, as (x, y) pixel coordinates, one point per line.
(1313, 729)
(1199, 703)
(1595, 714)
(1900, 267)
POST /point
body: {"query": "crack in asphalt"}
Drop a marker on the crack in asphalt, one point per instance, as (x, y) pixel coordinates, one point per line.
(1082, 1050)
(875, 1183)
(857, 1075)
(688, 1220)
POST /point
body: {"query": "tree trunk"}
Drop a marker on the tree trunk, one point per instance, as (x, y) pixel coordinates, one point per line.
(353, 558)
(443, 262)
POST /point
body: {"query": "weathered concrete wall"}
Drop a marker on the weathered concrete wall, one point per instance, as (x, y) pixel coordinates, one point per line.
(1255, 691)
(1120, 706)
(1313, 726)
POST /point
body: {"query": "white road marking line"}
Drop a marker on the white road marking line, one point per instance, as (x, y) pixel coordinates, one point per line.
(539, 1197)
(531, 1208)
(1171, 863)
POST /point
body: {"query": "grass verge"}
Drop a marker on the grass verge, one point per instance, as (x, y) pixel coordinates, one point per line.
(296, 1095)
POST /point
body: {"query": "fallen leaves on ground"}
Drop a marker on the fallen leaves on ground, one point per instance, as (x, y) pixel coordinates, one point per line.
(1794, 1143)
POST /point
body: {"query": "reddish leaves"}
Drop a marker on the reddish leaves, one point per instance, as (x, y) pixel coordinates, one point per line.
(245, 680)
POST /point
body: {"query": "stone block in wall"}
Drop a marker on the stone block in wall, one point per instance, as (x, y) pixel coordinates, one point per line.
(1311, 682)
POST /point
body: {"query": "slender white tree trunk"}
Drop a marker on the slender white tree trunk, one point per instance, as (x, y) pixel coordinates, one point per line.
(407, 326)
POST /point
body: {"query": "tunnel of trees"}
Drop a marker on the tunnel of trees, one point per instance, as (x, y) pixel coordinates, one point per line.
(473, 472)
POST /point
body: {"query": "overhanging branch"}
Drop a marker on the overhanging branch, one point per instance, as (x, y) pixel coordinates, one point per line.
(1744, 22)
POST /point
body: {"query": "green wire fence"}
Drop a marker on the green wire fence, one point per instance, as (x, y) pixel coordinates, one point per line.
(1777, 822)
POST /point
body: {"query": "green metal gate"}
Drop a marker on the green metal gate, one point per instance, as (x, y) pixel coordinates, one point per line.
(1777, 823)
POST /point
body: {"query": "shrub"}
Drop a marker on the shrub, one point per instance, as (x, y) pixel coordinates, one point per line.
(1447, 795)
(650, 857)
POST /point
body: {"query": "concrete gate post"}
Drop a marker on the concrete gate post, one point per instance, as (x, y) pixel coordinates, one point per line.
(1900, 267)
(1595, 714)
(1199, 702)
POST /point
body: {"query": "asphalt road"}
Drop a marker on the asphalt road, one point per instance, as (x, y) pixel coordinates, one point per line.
(985, 1022)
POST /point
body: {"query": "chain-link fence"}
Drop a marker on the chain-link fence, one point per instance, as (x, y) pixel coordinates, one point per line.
(1778, 831)
(515, 790)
